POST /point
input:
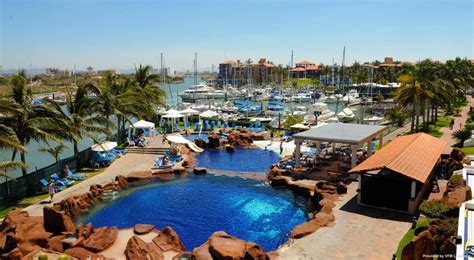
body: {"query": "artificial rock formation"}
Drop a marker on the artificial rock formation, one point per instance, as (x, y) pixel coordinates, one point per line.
(57, 221)
(240, 137)
(422, 244)
(141, 229)
(101, 239)
(220, 245)
(139, 249)
(168, 239)
(213, 140)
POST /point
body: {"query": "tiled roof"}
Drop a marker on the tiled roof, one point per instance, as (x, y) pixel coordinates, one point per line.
(312, 68)
(229, 62)
(297, 69)
(268, 65)
(305, 62)
(413, 156)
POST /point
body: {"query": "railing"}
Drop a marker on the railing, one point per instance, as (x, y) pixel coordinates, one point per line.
(12, 191)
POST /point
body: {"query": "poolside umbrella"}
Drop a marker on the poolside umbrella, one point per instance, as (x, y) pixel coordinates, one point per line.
(177, 139)
(208, 113)
(187, 112)
(103, 147)
(173, 114)
(299, 126)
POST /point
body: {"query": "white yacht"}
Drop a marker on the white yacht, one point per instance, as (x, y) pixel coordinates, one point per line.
(346, 115)
(201, 91)
(319, 112)
(300, 110)
(334, 98)
(302, 97)
(352, 97)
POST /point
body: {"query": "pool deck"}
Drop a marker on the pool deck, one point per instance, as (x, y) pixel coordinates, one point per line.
(358, 233)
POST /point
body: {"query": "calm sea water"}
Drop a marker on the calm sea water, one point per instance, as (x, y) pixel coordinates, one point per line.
(197, 206)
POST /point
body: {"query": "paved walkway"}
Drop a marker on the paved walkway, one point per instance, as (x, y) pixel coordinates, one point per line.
(459, 122)
(359, 233)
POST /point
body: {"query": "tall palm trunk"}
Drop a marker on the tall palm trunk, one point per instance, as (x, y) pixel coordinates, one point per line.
(119, 129)
(413, 117)
(76, 149)
(417, 118)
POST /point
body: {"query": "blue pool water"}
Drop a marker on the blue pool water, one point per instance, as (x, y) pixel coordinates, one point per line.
(197, 206)
(192, 137)
(242, 160)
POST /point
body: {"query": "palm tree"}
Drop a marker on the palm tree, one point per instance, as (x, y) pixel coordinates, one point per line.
(82, 118)
(120, 97)
(462, 135)
(5, 166)
(28, 121)
(55, 151)
(397, 115)
(148, 91)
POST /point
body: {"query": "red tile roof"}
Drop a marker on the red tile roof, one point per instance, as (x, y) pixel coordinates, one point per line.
(312, 67)
(305, 62)
(268, 65)
(229, 62)
(413, 156)
(297, 69)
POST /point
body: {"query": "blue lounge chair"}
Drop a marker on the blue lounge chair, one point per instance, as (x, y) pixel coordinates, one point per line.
(100, 159)
(212, 124)
(57, 186)
(74, 176)
(173, 157)
(159, 164)
(66, 182)
(234, 124)
(219, 125)
(226, 124)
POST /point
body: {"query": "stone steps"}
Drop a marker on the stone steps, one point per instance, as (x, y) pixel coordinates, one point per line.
(146, 150)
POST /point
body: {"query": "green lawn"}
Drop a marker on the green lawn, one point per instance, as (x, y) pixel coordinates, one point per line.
(410, 234)
(468, 150)
(28, 201)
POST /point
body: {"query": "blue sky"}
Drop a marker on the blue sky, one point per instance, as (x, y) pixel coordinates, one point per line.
(119, 33)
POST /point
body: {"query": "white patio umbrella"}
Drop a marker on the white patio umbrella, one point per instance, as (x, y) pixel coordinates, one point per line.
(208, 113)
(103, 147)
(177, 139)
(173, 114)
(187, 112)
(299, 126)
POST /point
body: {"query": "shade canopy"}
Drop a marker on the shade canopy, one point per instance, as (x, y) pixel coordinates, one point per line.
(103, 147)
(189, 111)
(299, 126)
(143, 124)
(177, 139)
(342, 133)
(208, 113)
(413, 156)
(173, 114)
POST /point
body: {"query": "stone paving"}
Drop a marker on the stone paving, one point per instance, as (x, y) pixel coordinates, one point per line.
(358, 233)
(459, 122)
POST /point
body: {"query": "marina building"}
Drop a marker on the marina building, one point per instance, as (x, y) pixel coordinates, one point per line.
(241, 73)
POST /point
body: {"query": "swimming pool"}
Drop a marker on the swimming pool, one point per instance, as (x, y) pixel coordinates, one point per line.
(197, 206)
(242, 160)
(192, 137)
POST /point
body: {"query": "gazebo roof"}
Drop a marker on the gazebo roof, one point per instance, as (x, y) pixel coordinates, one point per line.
(413, 156)
(342, 133)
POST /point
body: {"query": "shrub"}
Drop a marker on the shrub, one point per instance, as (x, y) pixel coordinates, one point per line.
(456, 180)
(434, 208)
(447, 226)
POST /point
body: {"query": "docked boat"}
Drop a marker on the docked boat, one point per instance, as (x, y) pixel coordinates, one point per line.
(251, 110)
(346, 115)
(275, 107)
(334, 98)
(374, 120)
(201, 91)
(352, 97)
(302, 97)
(319, 112)
(300, 110)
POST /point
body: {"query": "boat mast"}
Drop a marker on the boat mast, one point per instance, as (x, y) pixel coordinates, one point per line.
(195, 68)
(163, 79)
